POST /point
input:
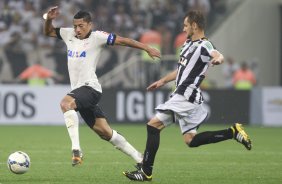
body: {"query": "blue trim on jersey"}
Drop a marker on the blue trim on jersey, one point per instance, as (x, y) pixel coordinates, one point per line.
(111, 39)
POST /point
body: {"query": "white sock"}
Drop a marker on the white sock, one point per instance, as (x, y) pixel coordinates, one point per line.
(121, 144)
(71, 120)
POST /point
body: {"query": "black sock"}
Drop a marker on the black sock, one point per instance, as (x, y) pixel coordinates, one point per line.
(152, 146)
(211, 137)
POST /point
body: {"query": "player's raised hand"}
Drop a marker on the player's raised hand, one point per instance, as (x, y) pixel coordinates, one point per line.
(52, 13)
(156, 85)
(153, 53)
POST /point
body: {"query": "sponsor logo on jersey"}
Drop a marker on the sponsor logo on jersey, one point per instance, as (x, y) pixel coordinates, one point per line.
(76, 54)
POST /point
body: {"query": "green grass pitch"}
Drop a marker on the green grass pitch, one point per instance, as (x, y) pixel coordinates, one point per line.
(223, 163)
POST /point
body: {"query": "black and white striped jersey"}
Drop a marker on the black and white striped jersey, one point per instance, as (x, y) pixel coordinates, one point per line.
(192, 66)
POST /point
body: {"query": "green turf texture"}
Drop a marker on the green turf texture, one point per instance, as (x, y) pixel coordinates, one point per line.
(223, 163)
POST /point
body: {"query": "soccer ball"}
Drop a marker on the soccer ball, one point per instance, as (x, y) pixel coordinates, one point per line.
(18, 162)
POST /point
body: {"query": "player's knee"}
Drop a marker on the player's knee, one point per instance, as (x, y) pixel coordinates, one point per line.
(66, 106)
(188, 140)
(156, 123)
(188, 143)
(68, 103)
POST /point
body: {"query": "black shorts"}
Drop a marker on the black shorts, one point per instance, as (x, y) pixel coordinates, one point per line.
(86, 99)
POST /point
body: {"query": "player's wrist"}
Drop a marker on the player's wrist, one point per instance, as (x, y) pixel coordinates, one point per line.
(49, 20)
(147, 48)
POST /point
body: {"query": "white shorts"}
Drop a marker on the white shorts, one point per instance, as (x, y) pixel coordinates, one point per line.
(189, 115)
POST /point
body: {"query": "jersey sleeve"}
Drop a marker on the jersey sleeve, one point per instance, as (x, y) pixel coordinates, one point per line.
(104, 38)
(206, 50)
(63, 33)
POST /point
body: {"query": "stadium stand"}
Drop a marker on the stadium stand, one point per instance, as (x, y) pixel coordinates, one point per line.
(23, 44)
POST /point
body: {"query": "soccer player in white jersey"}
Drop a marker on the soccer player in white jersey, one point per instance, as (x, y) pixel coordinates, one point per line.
(84, 50)
(185, 103)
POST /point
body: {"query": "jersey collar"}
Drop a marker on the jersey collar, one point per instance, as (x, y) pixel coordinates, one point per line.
(203, 38)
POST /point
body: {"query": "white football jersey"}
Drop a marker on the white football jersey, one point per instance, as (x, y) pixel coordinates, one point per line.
(83, 56)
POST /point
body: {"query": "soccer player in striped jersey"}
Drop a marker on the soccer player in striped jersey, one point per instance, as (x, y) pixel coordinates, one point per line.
(185, 103)
(84, 50)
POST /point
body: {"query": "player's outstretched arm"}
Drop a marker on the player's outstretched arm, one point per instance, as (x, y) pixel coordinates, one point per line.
(152, 52)
(217, 58)
(169, 77)
(49, 29)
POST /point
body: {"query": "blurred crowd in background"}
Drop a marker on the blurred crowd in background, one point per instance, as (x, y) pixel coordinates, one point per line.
(25, 51)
